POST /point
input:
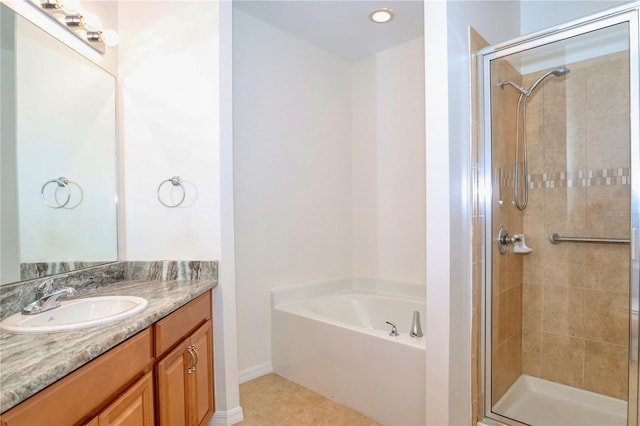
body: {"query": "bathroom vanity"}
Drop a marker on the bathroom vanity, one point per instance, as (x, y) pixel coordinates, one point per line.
(153, 368)
(60, 219)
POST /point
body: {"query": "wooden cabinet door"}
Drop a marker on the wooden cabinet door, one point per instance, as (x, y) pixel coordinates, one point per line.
(185, 381)
(86, 390)
(133, 408)
(171, 385)
(201, 386)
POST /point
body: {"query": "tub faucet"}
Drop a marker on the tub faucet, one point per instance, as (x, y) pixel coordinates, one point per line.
(47, 297)
(394, 329)
(416, 330)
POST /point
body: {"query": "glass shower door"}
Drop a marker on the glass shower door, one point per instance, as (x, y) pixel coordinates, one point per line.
(560, 120)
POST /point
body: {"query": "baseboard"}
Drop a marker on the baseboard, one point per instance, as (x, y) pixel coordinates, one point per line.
(227, 418)
(255, 372)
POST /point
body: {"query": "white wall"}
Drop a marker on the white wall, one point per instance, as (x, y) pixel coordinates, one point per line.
(228, 410)
(174, 79)
(292, 160)
(448, 320)
(170, 123)
(329, 166)
(387, 98)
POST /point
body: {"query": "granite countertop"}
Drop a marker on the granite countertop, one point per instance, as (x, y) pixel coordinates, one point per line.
(31, 362)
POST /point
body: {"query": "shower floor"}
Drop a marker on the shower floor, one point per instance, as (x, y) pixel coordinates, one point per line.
(540, 402)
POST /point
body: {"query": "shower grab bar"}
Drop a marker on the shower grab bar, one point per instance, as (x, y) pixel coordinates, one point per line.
(555, 238)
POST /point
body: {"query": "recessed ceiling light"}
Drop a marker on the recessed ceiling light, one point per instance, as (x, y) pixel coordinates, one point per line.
(381, 15)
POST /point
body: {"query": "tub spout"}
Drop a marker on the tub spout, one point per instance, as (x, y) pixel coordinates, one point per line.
(416, 330)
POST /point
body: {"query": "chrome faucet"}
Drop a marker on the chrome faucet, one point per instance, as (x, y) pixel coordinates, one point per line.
(416, 330)
(394, 329)
(47, 297)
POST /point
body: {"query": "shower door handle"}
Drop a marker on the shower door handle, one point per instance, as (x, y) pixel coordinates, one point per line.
(632, 241)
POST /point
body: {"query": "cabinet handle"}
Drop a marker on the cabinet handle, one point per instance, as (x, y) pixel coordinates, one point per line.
(193, 360)
(197, 356)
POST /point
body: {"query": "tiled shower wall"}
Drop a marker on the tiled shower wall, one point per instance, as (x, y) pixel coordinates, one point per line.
(575, 295)
(508, 268)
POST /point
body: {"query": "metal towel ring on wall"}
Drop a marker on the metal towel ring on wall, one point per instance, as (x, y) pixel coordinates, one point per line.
(176, 181)
(62, 182)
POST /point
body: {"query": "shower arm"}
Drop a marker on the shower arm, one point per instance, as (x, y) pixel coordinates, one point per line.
(520, 89)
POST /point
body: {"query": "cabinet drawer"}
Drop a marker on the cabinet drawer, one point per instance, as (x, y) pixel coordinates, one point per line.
(176, 326)
(133, 407)
(69, 400)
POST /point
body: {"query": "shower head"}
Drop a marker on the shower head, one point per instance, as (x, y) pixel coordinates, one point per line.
(558, 72)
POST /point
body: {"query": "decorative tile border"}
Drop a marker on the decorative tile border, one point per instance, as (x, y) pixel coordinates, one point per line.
(598, 177)
(565, 179)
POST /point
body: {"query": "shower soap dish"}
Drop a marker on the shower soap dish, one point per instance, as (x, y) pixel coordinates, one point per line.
(520, 246)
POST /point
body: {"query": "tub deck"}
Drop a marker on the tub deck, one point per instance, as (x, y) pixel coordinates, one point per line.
(346, 356)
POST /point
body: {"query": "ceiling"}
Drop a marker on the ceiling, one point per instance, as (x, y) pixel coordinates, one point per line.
(342, 27)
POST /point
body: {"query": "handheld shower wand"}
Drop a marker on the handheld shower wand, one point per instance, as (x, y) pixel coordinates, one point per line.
(558, 72)
(522, 100)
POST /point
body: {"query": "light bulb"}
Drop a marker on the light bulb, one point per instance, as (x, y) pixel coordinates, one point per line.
(91, 20)
(72, 7)
(110, 37)
(381, 16)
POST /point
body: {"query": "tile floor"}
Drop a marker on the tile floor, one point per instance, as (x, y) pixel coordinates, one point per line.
(274, 401)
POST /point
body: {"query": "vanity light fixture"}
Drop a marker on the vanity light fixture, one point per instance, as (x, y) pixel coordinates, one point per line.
(51, 4)
(108, 37)
(381, 15)
(74, 20)
(86, 26)
(87, 20)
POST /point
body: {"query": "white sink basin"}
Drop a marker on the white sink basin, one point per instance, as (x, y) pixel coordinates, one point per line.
(76, 314)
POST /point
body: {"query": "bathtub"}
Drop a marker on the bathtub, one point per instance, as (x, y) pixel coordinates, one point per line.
(331, 337)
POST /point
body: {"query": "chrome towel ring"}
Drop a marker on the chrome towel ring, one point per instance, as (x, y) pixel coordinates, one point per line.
(62, 182)
(175, 181)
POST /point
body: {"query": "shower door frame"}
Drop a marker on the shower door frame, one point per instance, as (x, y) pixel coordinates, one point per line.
(630, 14)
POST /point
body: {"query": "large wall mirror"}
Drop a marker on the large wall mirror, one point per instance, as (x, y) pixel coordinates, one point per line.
(58, 206)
